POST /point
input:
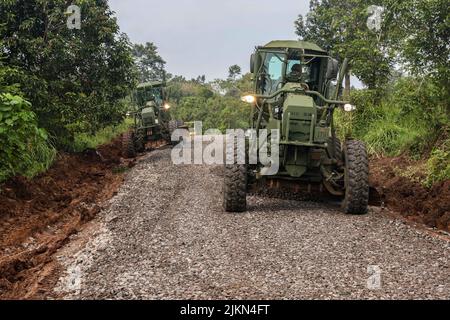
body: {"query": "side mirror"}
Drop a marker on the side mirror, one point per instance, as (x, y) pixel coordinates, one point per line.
(252, 63)
(255, 62)
(332, 69)
(331, 89)
(167, 93)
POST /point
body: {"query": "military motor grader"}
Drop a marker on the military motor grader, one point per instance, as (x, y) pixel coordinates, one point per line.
(151, 118)
(297, 87)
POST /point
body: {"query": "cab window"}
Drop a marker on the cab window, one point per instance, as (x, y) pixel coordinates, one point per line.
(273, 68)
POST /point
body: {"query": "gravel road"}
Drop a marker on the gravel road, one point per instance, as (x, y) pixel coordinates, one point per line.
(165, 236)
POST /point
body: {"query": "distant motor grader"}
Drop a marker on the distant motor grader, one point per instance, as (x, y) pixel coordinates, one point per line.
(297, 88)
(152, 120)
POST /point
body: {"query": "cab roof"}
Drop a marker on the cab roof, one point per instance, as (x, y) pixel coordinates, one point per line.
(294, 44)
(150, 84)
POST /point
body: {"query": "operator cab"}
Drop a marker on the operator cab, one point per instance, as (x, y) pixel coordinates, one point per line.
(150, 92)
(293, 62)
(304, 71)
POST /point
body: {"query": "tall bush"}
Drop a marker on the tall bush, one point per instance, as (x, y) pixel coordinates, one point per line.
(25, 149)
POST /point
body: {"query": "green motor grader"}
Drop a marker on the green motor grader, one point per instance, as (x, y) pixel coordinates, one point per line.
(297, 87)
(151, 118)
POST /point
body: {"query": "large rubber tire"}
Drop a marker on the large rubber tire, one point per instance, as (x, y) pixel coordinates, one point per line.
(356, 178)
(235, 187)
(139, 143)
(128, 148)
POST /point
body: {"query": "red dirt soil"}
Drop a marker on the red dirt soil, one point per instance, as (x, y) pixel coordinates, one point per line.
(409, 198)
(38, 216)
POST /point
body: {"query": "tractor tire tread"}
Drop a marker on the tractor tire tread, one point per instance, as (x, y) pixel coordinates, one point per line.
(357, 187)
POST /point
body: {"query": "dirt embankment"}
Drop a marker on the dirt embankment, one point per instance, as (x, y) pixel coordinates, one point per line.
(407, 196)
(37, 217)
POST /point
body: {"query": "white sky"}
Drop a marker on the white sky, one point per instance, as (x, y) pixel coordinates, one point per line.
(198, 37)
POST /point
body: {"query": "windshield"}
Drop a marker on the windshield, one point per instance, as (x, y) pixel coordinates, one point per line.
(157, 94)
(144, 95)
(279, 68)
(273, 69)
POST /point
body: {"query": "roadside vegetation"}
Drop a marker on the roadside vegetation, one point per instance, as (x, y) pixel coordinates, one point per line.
(404, 108)
(84, 141)
(25, 148)
(60, 88)
(217, 104)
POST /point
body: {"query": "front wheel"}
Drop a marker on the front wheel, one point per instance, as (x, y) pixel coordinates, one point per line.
(128, 148)
(356, 178)
(235, 184)
(139, 142)
(235, 188)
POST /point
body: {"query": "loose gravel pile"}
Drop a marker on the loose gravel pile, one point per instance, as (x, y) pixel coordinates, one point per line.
(166, 236)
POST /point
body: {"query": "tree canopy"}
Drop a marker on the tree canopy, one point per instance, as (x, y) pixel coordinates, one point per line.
(340, 26)
(150, 65)
(413, 36)
(74, 78)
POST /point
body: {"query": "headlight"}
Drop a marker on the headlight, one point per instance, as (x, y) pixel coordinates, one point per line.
(249, 99)
(156, 121)
(167, 106)
(349, 108)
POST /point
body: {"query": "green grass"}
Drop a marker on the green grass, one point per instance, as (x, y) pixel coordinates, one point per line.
(41, 153)
(388, 133)
(393, 134)
(85, 141)
(39, 157)
(409, 120)
(438, 165)
(393, 126)
(42, 156)
(120, 170)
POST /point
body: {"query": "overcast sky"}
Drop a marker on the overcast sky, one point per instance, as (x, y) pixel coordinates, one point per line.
(198, 37)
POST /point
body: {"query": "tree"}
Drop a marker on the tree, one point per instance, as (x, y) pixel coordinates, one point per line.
(201, 79)
(423, 39)
(216, 106)
(25, 148)
(233, 72)
(150, 65)
(75, 79)
(341, 27)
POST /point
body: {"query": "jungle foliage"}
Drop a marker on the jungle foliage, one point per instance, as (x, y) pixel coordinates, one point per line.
(55, 82)
(25, 148)
(67, 89)
(405, 67)
(217, 104)
(75, 79)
